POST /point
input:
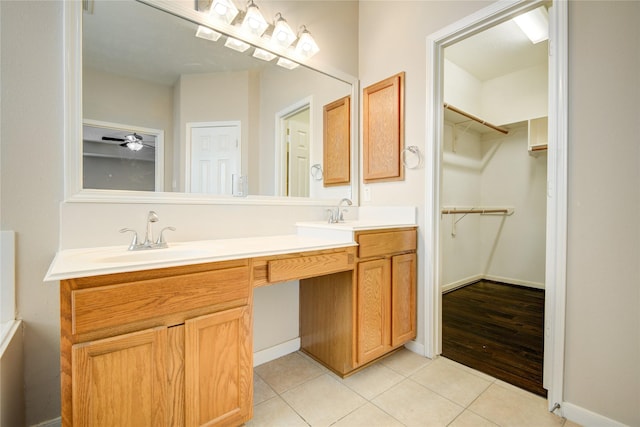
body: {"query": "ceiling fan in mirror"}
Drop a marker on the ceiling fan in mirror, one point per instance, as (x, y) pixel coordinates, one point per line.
(133, 142)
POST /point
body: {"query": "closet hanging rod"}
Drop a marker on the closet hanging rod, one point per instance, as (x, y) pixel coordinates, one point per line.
(476, 211)
(475, 118)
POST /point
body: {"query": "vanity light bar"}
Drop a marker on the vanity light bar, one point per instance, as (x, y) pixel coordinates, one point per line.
(254, 24)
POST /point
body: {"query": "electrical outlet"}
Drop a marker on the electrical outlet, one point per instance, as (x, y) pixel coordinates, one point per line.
(367, 194)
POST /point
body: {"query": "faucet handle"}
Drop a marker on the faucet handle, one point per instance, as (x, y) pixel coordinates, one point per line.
(161, 241)
(330, 216)
(134, 240)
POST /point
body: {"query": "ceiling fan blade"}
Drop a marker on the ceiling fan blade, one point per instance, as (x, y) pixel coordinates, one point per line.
(109, 138)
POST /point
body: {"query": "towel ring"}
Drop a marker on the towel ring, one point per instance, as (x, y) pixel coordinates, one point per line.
(417, 162)
(316, 172)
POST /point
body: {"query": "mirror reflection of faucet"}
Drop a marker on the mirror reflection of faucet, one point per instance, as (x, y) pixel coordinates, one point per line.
(336, 215)
(148, 242)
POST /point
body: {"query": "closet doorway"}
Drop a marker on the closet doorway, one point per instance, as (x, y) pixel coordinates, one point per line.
(492, 229)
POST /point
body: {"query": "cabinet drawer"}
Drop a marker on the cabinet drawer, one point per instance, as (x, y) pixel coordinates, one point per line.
(385, 243)
(302, 267)
(103, 307)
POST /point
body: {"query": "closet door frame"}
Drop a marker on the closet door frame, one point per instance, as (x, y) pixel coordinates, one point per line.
(557, 169)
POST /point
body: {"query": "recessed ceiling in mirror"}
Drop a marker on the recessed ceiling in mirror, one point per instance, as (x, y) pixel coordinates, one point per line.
(146, 68)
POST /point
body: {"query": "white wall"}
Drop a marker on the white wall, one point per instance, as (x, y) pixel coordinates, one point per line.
(461, 254)
(513, 247)
(493, 170)
(516, 96)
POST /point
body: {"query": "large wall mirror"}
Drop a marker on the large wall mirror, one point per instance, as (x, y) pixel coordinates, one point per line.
(164, 114)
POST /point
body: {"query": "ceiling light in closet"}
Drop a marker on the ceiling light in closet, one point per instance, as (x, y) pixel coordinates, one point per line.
(535, 24)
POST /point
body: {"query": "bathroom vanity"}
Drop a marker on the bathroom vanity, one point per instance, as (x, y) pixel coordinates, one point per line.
(180, 325)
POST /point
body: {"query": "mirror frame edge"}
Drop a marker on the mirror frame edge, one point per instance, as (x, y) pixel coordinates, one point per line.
(73, 191)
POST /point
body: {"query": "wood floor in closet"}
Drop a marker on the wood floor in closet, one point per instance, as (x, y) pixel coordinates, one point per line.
(497, 329)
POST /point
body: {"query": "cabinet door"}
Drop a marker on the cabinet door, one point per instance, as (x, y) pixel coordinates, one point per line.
(121, 381)
(403, 298)
(374, 309)
(219, 369)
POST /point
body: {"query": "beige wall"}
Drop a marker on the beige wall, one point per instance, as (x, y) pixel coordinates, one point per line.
(603, 276)
(32, 184)
(603, 337)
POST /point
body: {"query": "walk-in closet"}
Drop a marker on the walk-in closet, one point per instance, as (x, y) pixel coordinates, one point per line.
(493, 204)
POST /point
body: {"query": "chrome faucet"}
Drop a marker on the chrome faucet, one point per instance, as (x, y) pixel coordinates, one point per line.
(148, 242)
(148, 238)
(337, 215)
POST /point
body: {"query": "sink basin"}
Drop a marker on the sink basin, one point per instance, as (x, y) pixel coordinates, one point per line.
(151, 255)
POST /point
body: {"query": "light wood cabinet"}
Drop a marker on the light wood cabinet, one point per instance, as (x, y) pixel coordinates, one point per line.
(218, 373)
(166, 347)
(383, 130)
(386, 292)
(350, 319)
(374, 309)
(120, 381)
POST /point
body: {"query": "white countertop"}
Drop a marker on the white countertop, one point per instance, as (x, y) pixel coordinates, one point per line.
(73, 263)
(316, 235)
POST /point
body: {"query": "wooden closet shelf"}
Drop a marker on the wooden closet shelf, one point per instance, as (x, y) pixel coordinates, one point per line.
(461, 116)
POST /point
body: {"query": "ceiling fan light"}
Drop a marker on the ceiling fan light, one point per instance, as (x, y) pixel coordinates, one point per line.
(224, 10)
(133, 141)
(236, 44)
(134, 145)
(263, 54)
(283, 35)
(306, 46)
(285, 63)
(207, 33)
(253, 21)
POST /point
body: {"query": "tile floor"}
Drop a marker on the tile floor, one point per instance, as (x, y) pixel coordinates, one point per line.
(404, 389)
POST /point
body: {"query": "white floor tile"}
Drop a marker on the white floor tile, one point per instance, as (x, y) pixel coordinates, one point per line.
(323, 400)
(414, 405)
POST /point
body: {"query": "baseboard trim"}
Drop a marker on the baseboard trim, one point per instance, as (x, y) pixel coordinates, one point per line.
(461, 283)
(517, 282)
(472, 279)
(587, 418)
(416, 347)
(272, 353)
(56, 422)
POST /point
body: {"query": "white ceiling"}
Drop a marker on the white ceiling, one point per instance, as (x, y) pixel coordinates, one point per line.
(497, 51)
